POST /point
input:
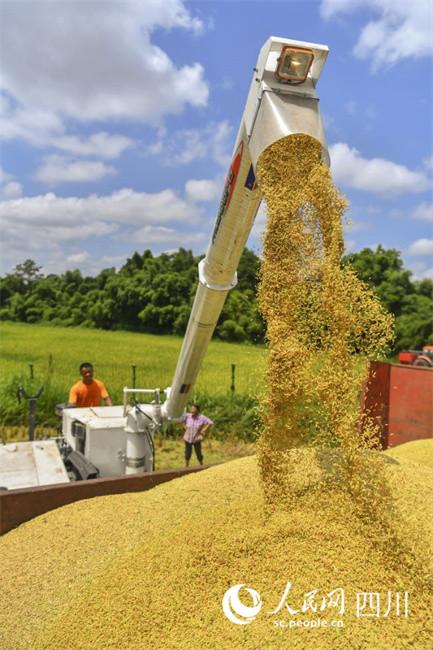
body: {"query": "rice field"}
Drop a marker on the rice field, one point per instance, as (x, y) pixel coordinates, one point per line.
(58, 351)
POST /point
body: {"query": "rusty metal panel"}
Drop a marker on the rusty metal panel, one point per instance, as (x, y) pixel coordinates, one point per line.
(18, 506)
(410, 404)
(400, 399)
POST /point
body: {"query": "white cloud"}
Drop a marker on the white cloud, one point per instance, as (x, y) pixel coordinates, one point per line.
(203, 190)
(33, 125)
(14, 232)
(222, 143)
(42, 128)
(95, 61)
(375, 175)
(57, 169)
(78, 258)
(402, 30)
(45, 227)
(12, 190)
(424, 211)
(190, 145)
(123, 206)
(87, 263)
(102, 145)
(4, 176)
(428, 162)
(419, 268)
(9, 188)
(149, 235)
(421, 247)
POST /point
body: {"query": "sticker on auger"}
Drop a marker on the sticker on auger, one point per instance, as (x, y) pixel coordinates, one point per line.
(251, 183)
(229, 187)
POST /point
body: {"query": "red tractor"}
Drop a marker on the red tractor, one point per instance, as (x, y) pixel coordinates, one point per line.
(422, 357)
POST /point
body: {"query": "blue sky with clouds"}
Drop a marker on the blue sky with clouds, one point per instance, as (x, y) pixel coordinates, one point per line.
(118, 119)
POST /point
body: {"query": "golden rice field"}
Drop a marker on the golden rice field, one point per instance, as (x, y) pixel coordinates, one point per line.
(113, 354)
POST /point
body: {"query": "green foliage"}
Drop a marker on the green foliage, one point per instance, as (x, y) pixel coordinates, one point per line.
(154, 294)
(233, 413)
(148, 294)
(414, 325)
(14, 410)
(410, 302)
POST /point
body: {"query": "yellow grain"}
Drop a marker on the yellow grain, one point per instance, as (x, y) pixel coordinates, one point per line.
(416, 451)
(318, 507)
(138, 571)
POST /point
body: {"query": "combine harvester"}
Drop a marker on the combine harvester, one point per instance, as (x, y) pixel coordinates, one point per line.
(113, 446)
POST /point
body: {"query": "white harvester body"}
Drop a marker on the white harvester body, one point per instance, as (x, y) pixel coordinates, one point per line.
(30, 464)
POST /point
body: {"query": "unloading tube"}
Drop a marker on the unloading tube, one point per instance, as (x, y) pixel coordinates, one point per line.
(274, 109)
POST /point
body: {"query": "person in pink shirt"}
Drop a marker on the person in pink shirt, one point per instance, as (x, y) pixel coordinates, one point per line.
(195, 426)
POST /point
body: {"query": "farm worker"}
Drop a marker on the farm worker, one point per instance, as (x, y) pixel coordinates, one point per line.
(88, 391)
(195, 425)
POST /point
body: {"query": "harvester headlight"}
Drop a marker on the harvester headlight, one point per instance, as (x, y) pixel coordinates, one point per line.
(294, 64)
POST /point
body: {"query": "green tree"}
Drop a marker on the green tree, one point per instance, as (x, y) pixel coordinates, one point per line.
(155, 293)
(27, 272)
(410, 302)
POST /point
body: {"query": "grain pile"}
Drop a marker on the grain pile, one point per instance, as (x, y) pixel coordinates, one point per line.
(149, 570)
(416, 451)
(323, 512)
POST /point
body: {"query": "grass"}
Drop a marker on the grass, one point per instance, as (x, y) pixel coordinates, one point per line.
(113, 354)
(169, 453)
(55, 354)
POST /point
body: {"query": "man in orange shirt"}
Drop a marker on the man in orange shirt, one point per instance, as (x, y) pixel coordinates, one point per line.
(88, 391)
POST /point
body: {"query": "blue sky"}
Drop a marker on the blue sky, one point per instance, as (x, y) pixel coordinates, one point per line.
(118, 120)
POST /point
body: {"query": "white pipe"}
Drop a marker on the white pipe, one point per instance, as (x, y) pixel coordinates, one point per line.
(136, 447)
(217, 273)
(138, 451)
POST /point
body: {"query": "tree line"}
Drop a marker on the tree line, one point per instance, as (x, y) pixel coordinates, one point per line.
(154, 294)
